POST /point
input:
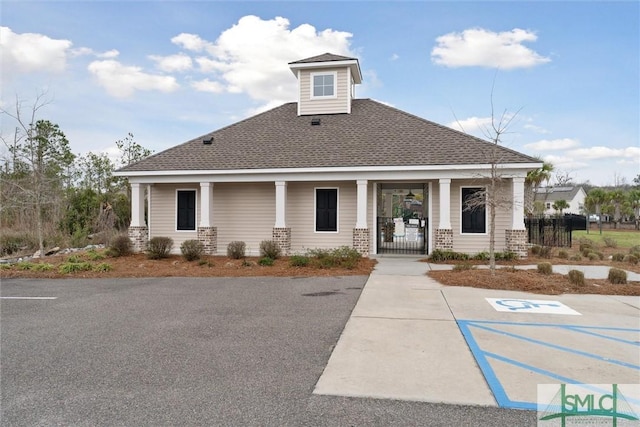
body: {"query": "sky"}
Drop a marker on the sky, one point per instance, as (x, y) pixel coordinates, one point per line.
(564, 75)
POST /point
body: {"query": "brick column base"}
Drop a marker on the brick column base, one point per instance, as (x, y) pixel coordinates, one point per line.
(443, 239)
(361, 239)
(208, 236)
(516, 241)
(282, 236)
(139, 236)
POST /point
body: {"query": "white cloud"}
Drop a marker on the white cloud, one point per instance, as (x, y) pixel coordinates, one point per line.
(564, 162)
(172, 63)
(122, 81)
(252, 56)
(207, 85)
(110, 54)
(472, 125)
(629, 153)
(29, 52)
(535, 128)
(483, 48)
(394, 57)
(553, 144)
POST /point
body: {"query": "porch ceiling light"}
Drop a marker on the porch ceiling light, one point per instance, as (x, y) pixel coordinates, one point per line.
(410, 195)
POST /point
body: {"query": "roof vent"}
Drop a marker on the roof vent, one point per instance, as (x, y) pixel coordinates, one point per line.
(315, 122)
(206, 141)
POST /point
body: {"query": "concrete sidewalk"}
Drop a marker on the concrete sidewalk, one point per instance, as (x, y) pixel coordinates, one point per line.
(403, 341)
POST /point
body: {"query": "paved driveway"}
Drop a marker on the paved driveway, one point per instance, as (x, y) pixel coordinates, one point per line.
(175, 351)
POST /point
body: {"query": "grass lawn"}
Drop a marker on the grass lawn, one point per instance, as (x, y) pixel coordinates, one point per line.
(624, 238)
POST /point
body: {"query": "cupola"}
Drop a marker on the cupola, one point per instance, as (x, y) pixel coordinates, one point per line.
(326, 83)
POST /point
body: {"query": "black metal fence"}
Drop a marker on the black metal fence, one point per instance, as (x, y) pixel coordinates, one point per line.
(401, 236)
(555, 230)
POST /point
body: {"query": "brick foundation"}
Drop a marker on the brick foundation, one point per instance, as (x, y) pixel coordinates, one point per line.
(139, 238)
(361, 239)
(208, 236)
(282, 236)
(516, 241)
(443, 239)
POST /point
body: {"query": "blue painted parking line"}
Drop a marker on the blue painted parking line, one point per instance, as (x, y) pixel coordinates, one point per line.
(467, 327)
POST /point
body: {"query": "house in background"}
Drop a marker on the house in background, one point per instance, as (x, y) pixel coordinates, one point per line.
(574, 196)
(325, 172)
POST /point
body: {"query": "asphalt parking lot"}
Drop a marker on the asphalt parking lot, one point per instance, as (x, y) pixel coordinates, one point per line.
(190, 352)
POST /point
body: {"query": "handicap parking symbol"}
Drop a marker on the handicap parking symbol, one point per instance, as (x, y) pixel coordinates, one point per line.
(516, 305)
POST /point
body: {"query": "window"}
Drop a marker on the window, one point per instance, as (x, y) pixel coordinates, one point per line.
(474, 220)
(326, 209)
(186, 212)
(324, 85)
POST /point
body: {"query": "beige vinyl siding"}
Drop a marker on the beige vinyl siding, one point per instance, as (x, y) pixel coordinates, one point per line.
(474, 243)
(301, 216)
(163, 213)
(339, 104)
(244, 212)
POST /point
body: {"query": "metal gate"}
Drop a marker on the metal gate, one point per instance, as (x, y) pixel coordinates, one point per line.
(402, 236)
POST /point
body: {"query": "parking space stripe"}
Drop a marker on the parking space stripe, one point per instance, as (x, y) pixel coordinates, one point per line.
(606, 337)
(29, 298)
(559, 347)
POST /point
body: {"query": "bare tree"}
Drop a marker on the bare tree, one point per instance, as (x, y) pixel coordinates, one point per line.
(39, 156)
(490, 197)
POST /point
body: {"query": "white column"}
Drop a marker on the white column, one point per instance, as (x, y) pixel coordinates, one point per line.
(206, 204)
(445, 203)
(281, 204)
(361, 207)
(517, 211)
(137, 205)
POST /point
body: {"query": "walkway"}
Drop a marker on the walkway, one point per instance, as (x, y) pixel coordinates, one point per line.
(411, 338)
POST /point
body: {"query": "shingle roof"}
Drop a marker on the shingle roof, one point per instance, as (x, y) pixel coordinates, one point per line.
(325, 57)
(552, 194)
(372, 135)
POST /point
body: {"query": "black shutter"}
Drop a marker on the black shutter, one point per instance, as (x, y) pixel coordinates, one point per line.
(186, 210)
(327, 209)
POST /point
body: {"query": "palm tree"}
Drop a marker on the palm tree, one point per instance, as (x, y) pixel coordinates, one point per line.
(560, 205)
(533, 181)
(616, 197)
(596, 198)
(634, 201)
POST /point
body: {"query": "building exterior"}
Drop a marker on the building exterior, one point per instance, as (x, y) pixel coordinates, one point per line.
(326, 171)
(574, 196)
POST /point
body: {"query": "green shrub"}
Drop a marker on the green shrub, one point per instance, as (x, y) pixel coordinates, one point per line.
(576, 277)
(43, 266)
(585, 241)
(103, 267)
(299, 260)
(617, 276)
(159, 247)
(94, 256)
(481, 256)
(610, 242)
(235, 250)
(192, 249)
(74, 258)
(576, 257)
(25, 265)
(562, 253)
(342, 257)
(247, 263)
(74, 267)
(593, 256)
(635, 250)
(447, 255)
(505, 256)
(586, 252)
(617, 257)
(535, 249)
(464, 266)
(204, 262)
(586, 246)
(545, 268)
(120, 245)
(546, 252)
(599, 254)
(631, 259)
(11, 243)
(5, 266)
(270, 249)
(266, 261)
